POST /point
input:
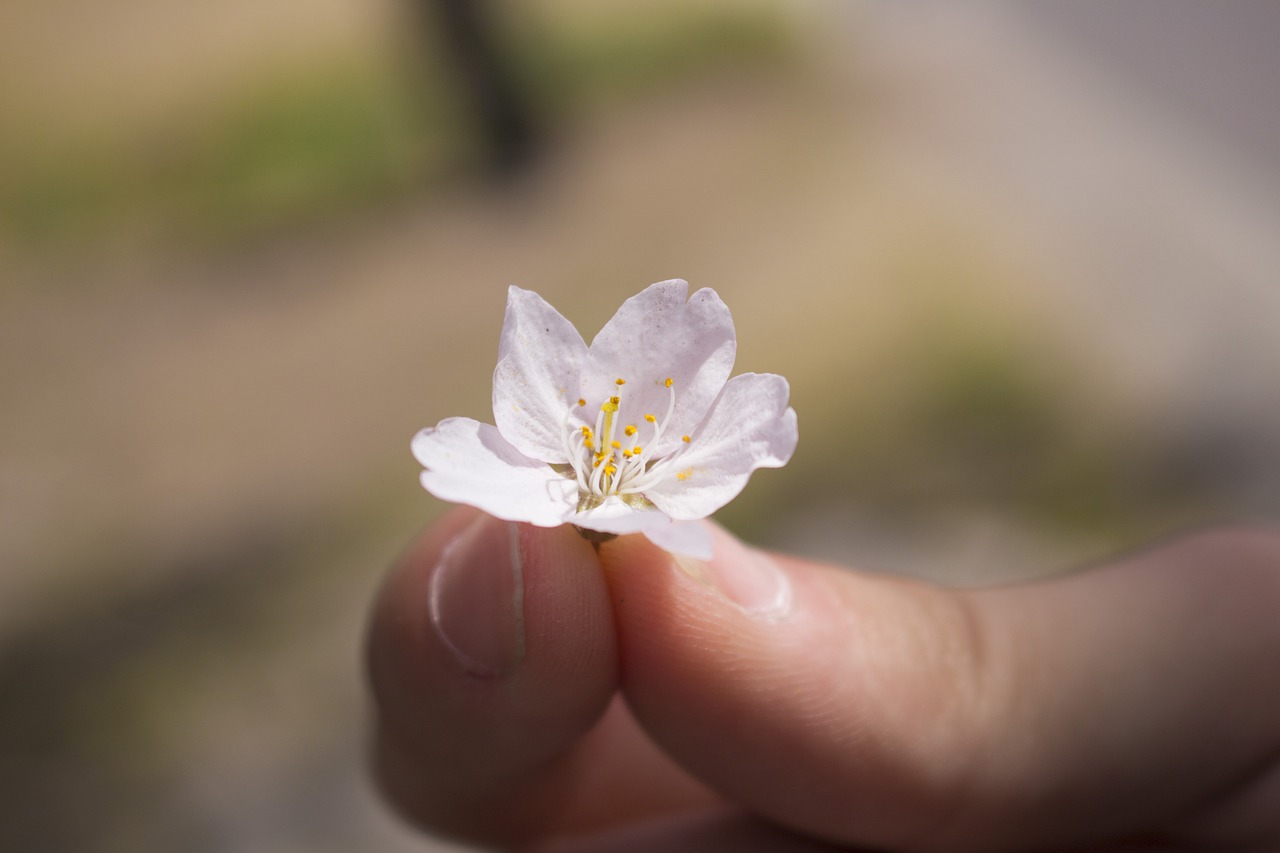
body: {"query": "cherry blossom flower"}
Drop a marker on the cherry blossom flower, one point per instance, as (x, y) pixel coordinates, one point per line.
(641, 432)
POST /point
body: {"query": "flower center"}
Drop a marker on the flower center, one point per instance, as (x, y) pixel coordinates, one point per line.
(613, 458)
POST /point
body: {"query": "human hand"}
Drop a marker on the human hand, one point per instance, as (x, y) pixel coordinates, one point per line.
(531, 691)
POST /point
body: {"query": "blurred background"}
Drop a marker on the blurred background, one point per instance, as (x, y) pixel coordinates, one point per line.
(1019, 262)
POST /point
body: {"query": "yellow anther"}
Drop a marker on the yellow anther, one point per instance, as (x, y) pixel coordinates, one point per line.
(616, 445)
(586, 430)
(685, 439)
(630, 429)
(589, 443)
(637, 450)
(620, 381)
(610, 470)
(611, 405)
(581, 402)
(669, 381)
(651, 419)
(615, 400)
(626, 454)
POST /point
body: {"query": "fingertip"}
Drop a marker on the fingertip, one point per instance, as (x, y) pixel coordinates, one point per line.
(678, 618)
(491, 651)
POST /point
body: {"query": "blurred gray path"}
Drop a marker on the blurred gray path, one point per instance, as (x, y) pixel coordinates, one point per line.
(1215, 63)
(1138, 145)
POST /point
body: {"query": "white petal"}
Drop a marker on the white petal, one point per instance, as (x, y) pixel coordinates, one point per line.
(690, 538)
(657, 335)
(615, 516)
(536, 380)
(750, 427)
(470, 462)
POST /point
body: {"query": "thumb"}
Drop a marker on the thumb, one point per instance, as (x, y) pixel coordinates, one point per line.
(880, 711)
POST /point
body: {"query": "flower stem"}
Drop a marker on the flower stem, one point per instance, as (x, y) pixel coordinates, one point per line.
(595, 537)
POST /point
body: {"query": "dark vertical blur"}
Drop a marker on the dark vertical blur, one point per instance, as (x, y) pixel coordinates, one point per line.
(487, 75)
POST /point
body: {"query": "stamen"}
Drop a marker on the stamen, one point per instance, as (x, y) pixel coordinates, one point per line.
(602, 466)
(575, 459)
(595, 478)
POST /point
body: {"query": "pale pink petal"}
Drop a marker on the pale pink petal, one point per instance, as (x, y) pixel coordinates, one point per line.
(470, 462)
(657, 335)
(749, 427)
(536, 381)
(614, 516)
(689, 538)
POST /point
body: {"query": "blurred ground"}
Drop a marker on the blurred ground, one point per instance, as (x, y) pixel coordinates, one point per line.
(1026, 300)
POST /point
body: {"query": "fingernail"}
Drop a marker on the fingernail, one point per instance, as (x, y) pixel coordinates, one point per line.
(748, 578)
(477, 598)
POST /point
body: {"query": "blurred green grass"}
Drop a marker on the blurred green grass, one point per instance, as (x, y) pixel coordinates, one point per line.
(959, 402)
(307, 141)
(583, 62)
(338, 133)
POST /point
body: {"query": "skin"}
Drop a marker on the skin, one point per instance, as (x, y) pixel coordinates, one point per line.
(1133, 706)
